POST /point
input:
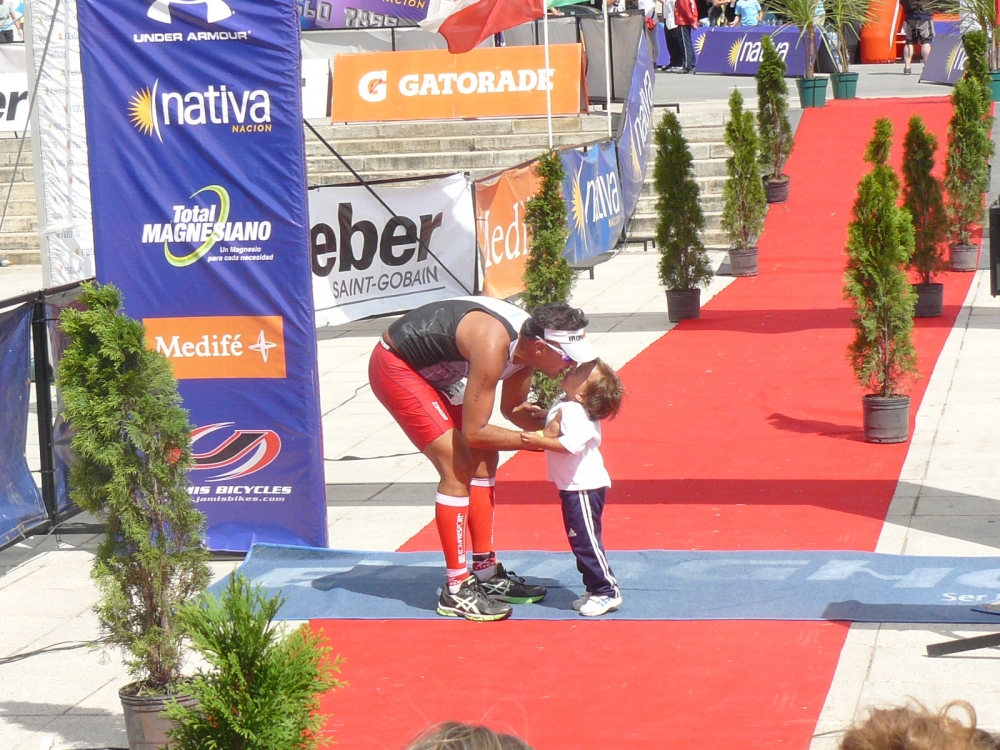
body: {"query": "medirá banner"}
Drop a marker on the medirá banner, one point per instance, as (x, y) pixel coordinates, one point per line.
(367, 262)
(194, 125)
(21, 506)
(593, 201)
(502, 232)
(636, 133)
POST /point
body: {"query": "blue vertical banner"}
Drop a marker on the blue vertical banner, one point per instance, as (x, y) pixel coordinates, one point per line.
(593, 198)
(636, 130)
(21, 506)
(198, 175)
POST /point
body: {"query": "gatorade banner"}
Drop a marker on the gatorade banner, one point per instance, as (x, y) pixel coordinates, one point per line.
(194, 125)
(503, 235)
(433, 84)
(21, 506)
(636, 133)
(365, 261)
(593, 201)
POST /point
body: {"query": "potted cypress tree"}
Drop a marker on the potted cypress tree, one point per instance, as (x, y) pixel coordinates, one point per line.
(547, 276)
(983, 13)
(804, 15)
(772, 121)
(879, 245)
(966, 175)
(845, 17)
(262, 691)
(924, 199)
(744, 201)
(132, 449)
(684, 268)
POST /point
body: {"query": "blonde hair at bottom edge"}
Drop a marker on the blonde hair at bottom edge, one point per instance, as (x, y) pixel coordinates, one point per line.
(455, 736)
(914, 727)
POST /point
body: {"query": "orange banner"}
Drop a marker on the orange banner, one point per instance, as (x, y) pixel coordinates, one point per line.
(503, 236)
(221, 346)
(437, 85)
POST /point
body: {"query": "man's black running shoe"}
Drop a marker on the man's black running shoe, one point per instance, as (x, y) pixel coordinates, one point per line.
(472, 603)
(508, 587)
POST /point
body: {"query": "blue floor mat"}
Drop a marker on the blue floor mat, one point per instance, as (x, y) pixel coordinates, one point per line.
(656, 585)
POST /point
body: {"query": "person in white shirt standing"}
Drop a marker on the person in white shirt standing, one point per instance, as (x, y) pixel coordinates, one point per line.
(8, 18)
(572, 442)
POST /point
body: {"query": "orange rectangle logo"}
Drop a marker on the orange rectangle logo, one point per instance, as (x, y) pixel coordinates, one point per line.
(437, 85)
(223, 346)
(501, 229)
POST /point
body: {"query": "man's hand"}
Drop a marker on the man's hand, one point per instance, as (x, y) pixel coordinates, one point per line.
(529, 409)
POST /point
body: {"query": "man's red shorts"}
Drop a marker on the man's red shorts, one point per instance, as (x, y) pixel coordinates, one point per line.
(422, 411)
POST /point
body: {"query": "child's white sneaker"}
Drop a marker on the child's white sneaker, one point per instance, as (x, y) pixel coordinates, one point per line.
(598, 605)
(577, 603)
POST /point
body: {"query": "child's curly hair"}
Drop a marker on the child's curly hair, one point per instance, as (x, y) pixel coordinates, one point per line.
(603, 398)
(913, 727)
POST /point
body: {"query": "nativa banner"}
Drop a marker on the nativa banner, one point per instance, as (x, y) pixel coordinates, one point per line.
(946, 62)
(593, 198)
(365, 261)
(197, 155)
(636, 133)
(736, 50)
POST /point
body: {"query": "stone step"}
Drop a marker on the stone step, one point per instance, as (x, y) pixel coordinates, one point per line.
(29, 257)
(459, 143)
(22, 174)
(423, 163)
(18, 241)
(9, 158)
(16, 223)
(450, 128)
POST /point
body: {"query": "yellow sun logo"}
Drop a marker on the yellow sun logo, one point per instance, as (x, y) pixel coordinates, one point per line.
(700, 44)
(142, 111)
(955, 59)
(579, 209)
(734, 52)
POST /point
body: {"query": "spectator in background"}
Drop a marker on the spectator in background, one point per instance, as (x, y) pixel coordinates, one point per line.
(648, 8)
(454, 736)
(8, 18)
(913, 727)
(673, 34)
(748, 13)
(918, 25)
(686, 18)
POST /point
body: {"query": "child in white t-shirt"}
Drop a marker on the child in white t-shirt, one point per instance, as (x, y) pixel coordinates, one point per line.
(593, 392)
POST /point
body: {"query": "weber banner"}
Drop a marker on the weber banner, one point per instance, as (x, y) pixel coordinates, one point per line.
(194, 124)
(593, 201)
(636, 132)
(503, 235)
(366, 262)
(21, 506)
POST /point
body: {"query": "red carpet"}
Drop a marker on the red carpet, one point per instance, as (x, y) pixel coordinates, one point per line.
(742, 430)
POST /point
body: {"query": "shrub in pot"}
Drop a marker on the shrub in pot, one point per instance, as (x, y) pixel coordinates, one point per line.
(772, 121)
(924, 199)
(263, 687)
(684, 268)
(879, 245)
(966, 174)
(844, 20)
(132, 450)
(547, 276)
(806, 16)
(744, 204)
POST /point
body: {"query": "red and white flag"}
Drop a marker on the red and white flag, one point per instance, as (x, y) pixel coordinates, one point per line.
(465, 23)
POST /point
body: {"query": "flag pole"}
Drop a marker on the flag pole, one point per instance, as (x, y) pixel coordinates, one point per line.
(607, 60)
(548, 88)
